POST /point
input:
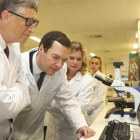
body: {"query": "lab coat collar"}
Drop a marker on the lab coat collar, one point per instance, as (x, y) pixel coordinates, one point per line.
(36, 69)
(77, 77)
(27, 71)
(2, 43)
(25, 62)
(98, 72)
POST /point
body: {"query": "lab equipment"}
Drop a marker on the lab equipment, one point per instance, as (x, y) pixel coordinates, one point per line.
(120, 88)
(116, 130)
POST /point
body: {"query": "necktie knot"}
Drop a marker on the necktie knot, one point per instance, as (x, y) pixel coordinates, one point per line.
(6, 51)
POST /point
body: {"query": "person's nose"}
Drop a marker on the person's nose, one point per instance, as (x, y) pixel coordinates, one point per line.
(60, 64)
(32, 28)
(75, 61)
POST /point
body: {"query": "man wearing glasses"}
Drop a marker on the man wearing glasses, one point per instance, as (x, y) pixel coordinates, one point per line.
(18, 19)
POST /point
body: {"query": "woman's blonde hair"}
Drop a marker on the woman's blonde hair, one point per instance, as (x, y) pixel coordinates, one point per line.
(100, 60)
(77, 46)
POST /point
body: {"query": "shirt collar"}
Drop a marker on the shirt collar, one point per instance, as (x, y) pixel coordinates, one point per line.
(36, 69)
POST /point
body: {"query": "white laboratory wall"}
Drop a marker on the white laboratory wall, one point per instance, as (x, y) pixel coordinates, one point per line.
(109, 69)
(125, 67)
(139, 34)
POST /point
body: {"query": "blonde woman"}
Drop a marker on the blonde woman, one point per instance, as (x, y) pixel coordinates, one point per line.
(97, 102)
(82, 85)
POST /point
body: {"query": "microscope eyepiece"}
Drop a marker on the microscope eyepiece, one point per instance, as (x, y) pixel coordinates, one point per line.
(107, 81)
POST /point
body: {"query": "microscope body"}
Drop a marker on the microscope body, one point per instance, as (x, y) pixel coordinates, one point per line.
(119, 86)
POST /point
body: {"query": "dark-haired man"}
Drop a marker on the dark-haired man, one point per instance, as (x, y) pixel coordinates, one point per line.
(50, 57)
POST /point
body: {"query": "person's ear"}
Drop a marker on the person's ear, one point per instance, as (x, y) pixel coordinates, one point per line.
(41, 49)
(5, 17)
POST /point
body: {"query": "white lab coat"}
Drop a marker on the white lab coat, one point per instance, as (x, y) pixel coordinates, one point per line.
(13, 96)
(97, 102)
(82, 88)
(29, 123)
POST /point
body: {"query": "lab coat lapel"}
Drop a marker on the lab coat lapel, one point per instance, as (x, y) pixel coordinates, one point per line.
(14, 63)
(46, 80)
(6, 67)
(26, 68)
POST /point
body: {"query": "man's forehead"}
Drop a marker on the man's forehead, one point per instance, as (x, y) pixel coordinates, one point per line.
(28, 12)
(59, 49)
(62, 56)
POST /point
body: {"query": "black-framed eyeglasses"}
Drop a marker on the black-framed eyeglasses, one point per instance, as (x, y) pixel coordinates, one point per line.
(29, 21)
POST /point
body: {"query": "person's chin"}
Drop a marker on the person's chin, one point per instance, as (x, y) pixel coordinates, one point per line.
(25, 37)
(51, 73)
(23, 40)
(74, 70)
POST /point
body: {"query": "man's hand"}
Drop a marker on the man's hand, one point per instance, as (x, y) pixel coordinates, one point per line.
(86, 132)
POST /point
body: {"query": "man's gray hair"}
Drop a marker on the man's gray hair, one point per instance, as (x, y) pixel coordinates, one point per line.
(14, 5)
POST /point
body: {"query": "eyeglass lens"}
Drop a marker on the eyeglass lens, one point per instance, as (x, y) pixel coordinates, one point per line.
(31, 21)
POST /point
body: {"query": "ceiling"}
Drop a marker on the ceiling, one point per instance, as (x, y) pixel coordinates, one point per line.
(105, 27)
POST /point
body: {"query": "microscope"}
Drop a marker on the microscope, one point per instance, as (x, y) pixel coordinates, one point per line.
(130, 117)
